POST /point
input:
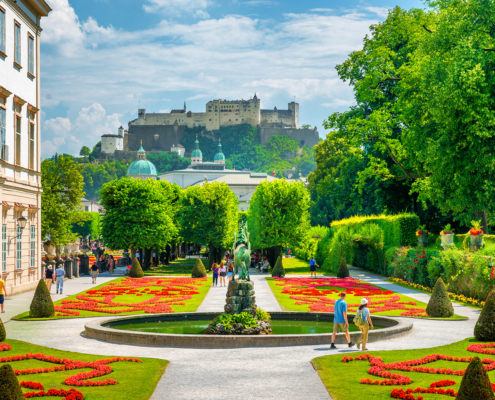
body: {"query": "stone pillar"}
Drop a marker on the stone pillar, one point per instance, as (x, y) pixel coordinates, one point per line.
(240, 297)
(68, 267)
(75, 267)
(84, 264)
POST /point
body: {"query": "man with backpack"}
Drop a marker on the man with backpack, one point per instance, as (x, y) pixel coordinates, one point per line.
(340, 320)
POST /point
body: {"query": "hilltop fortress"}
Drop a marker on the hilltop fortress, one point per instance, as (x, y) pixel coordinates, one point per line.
(161, 131)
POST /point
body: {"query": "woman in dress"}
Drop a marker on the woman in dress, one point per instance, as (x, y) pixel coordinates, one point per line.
(223, 273)
(367, 323)
(215, 274)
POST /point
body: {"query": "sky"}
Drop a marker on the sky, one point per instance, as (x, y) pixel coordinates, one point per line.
(101, 60)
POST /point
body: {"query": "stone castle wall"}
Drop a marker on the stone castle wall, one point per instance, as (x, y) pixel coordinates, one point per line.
(305, 137)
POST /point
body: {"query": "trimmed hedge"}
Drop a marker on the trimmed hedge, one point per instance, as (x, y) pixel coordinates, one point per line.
(440, 305)
(278, 269)
(343, 271)
(484, 329)
(9, 385)
(199, 270)
(136, 270)
(3, 334)
(42, 304)
(475, 384)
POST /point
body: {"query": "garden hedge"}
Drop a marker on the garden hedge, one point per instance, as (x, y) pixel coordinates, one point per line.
(278, 269)
(136, 270)
(42, 304)
(9, 385)
(199, 270)
(440, 305)
(343, 271)
(475, 383)
(484, 329)
(3, 334)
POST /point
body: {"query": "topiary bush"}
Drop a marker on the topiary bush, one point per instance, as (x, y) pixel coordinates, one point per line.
(136, 270)
(278, 269)
(9, 385)
(199, 270)
(343, 271)
(42, 304)
(3, 334)
(475, 383)
(484, 329)
(439, 305)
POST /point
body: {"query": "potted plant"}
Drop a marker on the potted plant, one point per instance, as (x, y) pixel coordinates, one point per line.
(476, 234)
(422, 235)
(447, 236)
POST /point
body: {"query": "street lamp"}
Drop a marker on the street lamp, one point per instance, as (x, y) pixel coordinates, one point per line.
(22, 222)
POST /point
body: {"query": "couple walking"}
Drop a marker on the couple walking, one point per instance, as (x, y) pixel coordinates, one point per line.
(223, 272)
(362, 321)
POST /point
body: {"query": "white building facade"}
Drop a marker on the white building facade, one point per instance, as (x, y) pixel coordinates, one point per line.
(20, 176)
(110, 143)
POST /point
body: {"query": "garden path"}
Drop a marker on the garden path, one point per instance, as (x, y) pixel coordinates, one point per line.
(251, 373)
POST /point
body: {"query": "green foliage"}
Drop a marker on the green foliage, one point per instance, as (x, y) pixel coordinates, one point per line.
(209, 215)
(262, 315)
(307, 248)
(165, 162)
(60, 199)
(278, 269)
(412, 265)
(97, 174)
(3, 334)
(139, 213)
(90, 226)
(9, 385)
(42, 304)
(343, 271)
(278, 214)
(323, 247)
(244, 318)
(484, 329)
(475, 383)
(85, 151)
(136, 271)
(199, 270)
(439, 305)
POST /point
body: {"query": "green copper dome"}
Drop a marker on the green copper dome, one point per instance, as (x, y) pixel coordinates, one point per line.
(219, 156)
(141, 167)
(196, 152)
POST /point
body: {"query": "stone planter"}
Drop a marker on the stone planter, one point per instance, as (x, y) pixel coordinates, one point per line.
(476, 240)
(75, 248)
(447, 240)
(50, 249)
(423, 240)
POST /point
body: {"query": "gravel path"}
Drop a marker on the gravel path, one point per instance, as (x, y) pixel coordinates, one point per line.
(252, 373)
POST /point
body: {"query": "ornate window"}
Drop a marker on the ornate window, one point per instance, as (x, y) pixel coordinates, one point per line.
(17, 44)
(19, 248)
(31, 55)
(33, 246)
(2, 32)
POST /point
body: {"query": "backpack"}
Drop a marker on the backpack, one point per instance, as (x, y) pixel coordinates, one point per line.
(358, 319)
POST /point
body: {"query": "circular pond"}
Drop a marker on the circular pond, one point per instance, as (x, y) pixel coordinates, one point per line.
(186, 330)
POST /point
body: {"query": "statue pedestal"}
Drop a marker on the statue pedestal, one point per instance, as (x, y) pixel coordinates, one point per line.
(240, 297)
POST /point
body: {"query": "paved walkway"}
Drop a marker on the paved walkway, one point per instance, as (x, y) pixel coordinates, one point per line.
(264, 373)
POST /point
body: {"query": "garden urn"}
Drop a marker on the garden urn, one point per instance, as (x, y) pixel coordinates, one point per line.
(477, 240)
(423, 240)
(448, 239)
(67, 251)
(50, 250)
(75, 249)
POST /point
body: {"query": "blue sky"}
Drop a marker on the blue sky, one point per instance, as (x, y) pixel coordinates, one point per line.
(101, 59)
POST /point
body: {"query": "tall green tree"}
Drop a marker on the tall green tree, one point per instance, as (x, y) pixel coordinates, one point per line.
(62, 185)
(278, 216)
(209, 216)
(138, 214)
(90, 226)
(85, 151)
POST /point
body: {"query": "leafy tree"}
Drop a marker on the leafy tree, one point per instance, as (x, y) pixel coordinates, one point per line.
(138, 214)
(96, 152)
(209, 216)
(85, 151)
(278, 216)
(90, 226)
(306, 126)
(61, 198)
(97, 174)
(165, 162)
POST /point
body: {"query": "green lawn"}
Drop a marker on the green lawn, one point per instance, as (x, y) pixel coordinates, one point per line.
(289, 304)
(342, 380)
(299, 267)
(136, 381)
(181, 266)
(191, 305)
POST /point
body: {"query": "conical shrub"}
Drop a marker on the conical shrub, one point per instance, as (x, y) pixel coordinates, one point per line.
(343, 271)
(136, 270)
(475, 383)
(3, 334)
(439, 305)
(9, 385)
(42, 304)
(199, 270)
(484, 329)
(278, 269)
(327, 264)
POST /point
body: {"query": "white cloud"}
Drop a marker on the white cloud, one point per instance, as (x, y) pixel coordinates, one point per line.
(380, 11)
(178, 7)
(339, 103)
(322, 10)
(62, 135)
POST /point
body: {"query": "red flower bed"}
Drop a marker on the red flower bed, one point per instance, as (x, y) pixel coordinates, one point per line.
(314, 292)
(71, 394)
(165, 291)
(381, 369)
(32, 385)
(5, 347)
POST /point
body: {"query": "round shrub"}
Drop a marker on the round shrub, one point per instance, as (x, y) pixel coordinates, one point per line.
(475, 383)
(136, 270)
(3, 334)
(278, 269)
(343, 271)
(42, 304)
(484, 329)
(439, 305)
(9, 385)
(199, 270)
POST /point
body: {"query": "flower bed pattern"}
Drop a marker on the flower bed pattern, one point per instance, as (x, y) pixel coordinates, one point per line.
(168, 292)
(313, 292)
(381, 369)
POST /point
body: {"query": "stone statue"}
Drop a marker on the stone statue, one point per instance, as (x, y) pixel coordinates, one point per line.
(242, 253)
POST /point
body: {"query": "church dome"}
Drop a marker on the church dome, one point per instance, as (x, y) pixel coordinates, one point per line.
(219, 156)
(196, 153)
(141, 167)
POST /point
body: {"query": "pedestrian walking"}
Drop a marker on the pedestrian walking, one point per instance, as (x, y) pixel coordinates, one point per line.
(60, 274)
(230, 271)
(363, 322)
(340, 320)
(49, 278)
(312, 266)
(215, 274)
(111, 265)
(223, 273)
(3, 293)
(94, 272)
